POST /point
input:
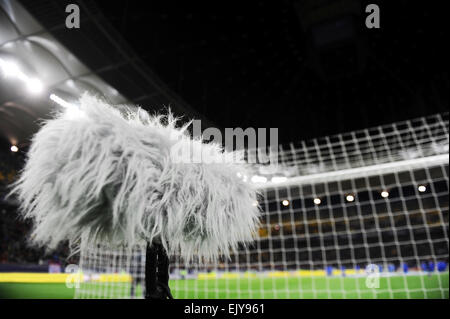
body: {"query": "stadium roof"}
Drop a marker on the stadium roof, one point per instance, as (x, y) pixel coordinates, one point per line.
(39, 57)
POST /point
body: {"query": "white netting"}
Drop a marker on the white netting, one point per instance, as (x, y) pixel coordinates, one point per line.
(334, 206)
(111, 272)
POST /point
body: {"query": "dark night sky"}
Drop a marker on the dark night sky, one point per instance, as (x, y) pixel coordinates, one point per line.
(261, 64)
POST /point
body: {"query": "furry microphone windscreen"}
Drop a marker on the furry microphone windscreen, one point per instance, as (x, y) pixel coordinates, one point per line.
(102, 174)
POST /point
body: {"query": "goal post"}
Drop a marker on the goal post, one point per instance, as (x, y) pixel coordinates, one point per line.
(356, 215)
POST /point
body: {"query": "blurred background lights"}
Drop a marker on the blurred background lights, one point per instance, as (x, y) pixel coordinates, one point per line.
(278, 179)
(70, 83)
(12, 70)
(55, 98)
(259, 179)
(317, 201)
(9, 69)
(422, 188)
(285, 202)
(350, 198)
(34, 85)
(14, 148)
(385, 194)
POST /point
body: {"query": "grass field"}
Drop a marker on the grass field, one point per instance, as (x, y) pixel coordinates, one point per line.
(411, 286)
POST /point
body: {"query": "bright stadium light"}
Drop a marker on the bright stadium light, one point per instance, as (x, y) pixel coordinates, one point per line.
(9, 69)
(422, 188)
(385, 194)
(317, 201)
(12, 70)
(73, 110)
(14, 148)
(285, 202)
(255, 203)
(34, 85)
(70, 83)
(259, 179)
(278, 179)
(350, 198)
(55, 98)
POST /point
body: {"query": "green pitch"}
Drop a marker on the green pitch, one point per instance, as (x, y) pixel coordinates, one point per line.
(411, 286)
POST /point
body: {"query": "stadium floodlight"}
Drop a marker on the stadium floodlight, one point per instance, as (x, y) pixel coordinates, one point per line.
(285, 202)
(317, 201)
(9, 69)
(258, 179)
(58, 100)
(385, 194)
(34, 85)
(422, 188)
(350, 198)
(14, 148)
(278, 179)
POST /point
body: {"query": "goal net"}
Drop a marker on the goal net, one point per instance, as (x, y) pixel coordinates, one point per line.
(356, 215)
